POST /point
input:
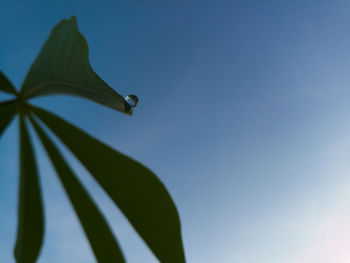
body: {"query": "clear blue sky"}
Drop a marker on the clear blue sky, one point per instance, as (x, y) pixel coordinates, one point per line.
(244, 115)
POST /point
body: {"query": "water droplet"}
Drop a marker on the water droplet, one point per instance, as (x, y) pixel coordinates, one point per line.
(132, 100)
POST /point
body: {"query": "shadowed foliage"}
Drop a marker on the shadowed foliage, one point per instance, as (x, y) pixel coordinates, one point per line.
(30, 229)
(62, 67)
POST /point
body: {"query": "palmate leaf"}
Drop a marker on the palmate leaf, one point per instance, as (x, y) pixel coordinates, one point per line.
(62, 67)
(135, 189)
(8, 110)
(5, 84)
(30, 212)
(101, 239)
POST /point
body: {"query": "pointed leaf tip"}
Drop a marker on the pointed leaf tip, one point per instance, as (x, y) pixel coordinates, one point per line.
(6, 85)
(62, 67)
(7, 112)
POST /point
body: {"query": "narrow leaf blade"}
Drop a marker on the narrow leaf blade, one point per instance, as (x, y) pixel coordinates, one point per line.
(63, 67)
(30, 229)
(5, 84)
(7, 112)
(135, 189)
(100, 236)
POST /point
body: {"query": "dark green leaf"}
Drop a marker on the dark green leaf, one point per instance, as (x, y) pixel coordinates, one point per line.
(63, 67)
(7, 112)
(97, 230)
(5, 84)
(30, 211)
(135, 189)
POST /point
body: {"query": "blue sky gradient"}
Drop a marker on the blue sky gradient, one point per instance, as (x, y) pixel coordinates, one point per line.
(243, 114)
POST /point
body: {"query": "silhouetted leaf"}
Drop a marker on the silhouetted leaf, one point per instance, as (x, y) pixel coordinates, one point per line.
(8, 110)
(135, 189)
(5, 84)
(101, 239)
(30, 212)
(63, 67)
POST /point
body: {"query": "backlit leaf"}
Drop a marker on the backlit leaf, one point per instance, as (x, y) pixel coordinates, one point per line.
(62, 67)
(7, 112)
(5, 84)
(30, 211)
(101, 239)
(134, 188)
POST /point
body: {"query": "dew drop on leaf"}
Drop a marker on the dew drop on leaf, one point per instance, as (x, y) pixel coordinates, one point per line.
(132, 100)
